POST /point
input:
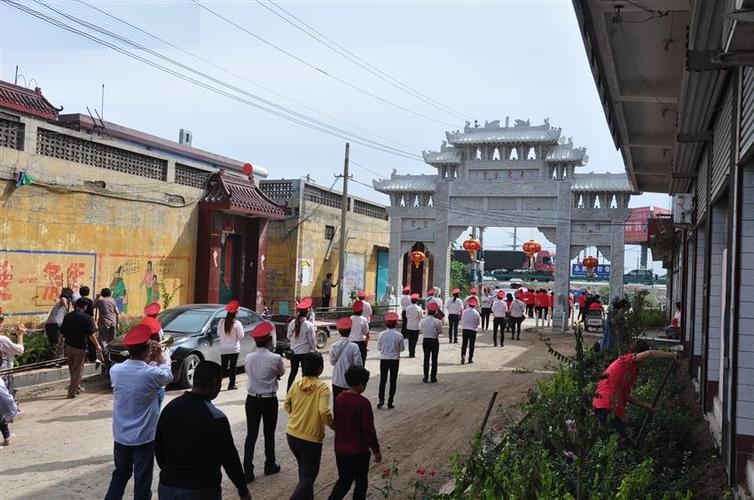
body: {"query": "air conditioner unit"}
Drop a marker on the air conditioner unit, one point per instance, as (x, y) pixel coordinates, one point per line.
(683, 208)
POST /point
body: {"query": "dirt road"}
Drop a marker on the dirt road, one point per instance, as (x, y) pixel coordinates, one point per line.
(63, 448)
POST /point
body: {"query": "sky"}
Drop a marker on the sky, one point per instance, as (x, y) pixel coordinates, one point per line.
(484, 60)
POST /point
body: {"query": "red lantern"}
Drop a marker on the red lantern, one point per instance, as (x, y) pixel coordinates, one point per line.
(531, 248)
(472, 245)
(417, 258)
(590, 263)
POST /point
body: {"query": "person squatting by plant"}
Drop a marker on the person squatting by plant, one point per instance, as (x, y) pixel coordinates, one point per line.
(614, 390)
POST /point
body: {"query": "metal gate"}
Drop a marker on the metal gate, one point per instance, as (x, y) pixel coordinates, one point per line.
(721, 144)
(701, 186)
(747, 111)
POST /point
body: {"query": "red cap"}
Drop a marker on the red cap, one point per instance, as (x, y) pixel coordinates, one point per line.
(304, 304)
(430, 291)
(152, 323)
(432, 307)
(137, 335)
(473, 302)
(357, 306)
(391, 316)
(456, 290)
(500, 294)
(152, 309)
(473, 289)
(232, 306)
(407, 288)
(361, 294)
(262, 330)
(344, 324)
(415, 296)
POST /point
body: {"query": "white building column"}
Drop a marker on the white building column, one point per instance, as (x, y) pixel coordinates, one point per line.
(562, 260)
(617, 259)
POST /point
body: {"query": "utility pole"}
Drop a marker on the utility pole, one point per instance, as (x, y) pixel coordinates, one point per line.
(343, 236)
(515, 238)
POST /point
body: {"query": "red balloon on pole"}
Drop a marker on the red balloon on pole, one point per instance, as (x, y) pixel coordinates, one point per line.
(248, 169)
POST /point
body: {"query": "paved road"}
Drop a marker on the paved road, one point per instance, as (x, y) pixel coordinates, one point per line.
(63, 448)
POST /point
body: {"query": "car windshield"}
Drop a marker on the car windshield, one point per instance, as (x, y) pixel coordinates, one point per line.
(184, 320)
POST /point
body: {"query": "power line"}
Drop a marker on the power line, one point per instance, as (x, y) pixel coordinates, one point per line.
(235, 74)
(283, 113)
(355, 59)
(317, 68)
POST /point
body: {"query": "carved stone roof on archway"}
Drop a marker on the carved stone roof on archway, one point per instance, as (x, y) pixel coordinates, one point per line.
(448, 155)
(567, 153)
(492, 133)
(407, 183)
(615, 183)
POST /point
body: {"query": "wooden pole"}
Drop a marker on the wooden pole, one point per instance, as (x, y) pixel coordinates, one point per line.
(343, 235)
(655, 400)
(487, 413)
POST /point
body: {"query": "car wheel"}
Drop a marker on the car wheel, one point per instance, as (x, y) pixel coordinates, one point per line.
(186, 379)
(321, 339)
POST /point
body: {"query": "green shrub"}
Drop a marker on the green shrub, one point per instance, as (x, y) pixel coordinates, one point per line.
(36, 349)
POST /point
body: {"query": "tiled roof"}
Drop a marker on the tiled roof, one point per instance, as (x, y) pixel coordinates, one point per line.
(30, 102)
(493, 133)
(406, 183)
(601, 182)
(447, 155)
(567, 153)
(228, 192)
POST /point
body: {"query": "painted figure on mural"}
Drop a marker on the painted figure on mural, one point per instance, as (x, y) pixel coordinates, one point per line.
(149, 281)
(119, 292)
(155, 289)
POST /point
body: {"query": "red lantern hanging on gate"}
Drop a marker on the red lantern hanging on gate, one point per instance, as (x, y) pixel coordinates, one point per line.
(590, 263)
(417, 258)
(531, 248)
(472, 245)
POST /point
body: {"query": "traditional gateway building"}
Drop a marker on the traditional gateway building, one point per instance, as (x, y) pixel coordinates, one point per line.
(522, 175)
(676, 79)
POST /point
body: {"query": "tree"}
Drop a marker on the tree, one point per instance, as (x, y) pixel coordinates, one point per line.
(460, 277)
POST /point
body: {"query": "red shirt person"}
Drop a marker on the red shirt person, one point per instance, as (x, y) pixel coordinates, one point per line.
(614, 390)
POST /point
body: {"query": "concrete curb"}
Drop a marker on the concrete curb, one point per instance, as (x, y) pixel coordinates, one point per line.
(45, 376)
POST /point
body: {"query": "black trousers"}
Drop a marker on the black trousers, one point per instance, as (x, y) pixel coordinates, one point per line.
(498, 323)
(363, 350)
(413, 338)
(431, 349)
(335, 391)
(4, 429)
(486, 312)
(469, 340)
(404, 330)
(229, 362)
(388, 367)
(453, 320)
(326, 301)
(264, 411)
(53, 334)
(351, 469)
(308, 456)
(542, 312)
(530, 310)
(295, 362)
(516, 326)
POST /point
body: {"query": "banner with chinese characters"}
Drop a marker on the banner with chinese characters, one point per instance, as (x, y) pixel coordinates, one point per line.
(31, 280)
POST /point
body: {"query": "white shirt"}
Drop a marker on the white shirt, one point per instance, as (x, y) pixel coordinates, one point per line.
(499, 308)
(263, 368)
(359, 329)
(470, 319)
(517, 308)
(431, 327)
(367, 313)
(454, 306)
(8, 407)
(487, 301)
(405, 301)
(135, 409)
(8, 351)
(230, 343)
(413, 316)
(343, 355)
(390, 344)
(306, 341)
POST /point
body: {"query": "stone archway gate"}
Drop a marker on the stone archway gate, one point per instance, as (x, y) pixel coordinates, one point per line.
(502, 176)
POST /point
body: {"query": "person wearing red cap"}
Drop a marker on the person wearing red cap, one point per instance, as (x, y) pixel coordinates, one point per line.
(230, 333)
(472, 293)
(516, 311)
(431, 329)
(154, 327)
(531, 303)
(405, 302)
(499, 309)
(487, 298)
(470, 322)
(135, 384)
(454, 306)
(362, 297)
(301, 337)
(344, 353)
(413, 319)
(390, 343)
(359, 329)
(264, 369)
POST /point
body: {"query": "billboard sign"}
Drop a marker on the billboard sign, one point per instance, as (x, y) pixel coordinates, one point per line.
(601, 271)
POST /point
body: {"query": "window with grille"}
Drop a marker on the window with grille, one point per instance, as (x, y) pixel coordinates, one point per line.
(278, 191)
(329, 232)
(66, 147)
(11, 134)
(363, 208)
(322, 197)
(190, 176)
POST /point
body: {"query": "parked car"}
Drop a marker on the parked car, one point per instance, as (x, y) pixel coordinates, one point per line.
(643, 276)
(191, 336)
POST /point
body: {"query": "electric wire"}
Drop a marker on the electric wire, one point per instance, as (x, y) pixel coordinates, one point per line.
(355, 59)
(318, 69)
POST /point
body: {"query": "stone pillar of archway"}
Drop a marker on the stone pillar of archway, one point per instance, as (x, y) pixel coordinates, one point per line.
(617, 254)
(395, 257)
(562, 260)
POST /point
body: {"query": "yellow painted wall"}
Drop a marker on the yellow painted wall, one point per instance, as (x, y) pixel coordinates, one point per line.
(51, 236)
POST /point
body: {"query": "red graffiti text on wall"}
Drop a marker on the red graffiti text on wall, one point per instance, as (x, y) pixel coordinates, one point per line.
(6, 277)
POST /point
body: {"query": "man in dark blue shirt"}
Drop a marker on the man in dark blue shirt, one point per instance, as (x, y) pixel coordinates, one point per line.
(193, 441)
